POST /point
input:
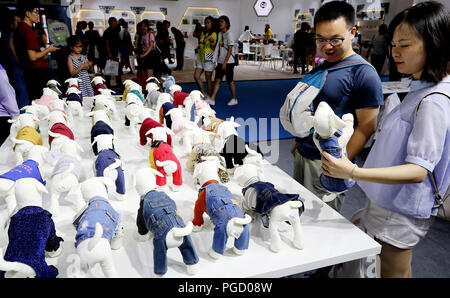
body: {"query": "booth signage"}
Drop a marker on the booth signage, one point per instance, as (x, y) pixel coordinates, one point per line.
(263, 7)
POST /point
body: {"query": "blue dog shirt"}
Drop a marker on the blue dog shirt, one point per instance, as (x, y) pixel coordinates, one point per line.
(104, 159)
(28, 169)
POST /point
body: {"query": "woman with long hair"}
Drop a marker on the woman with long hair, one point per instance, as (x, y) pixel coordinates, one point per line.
(204, 63)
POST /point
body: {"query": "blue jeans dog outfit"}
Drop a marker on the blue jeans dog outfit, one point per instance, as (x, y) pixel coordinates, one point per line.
(268, 197)
(331, 146)
(104, 159)
(98, 210)
(158, 214)
(221, 209)
(32, 232)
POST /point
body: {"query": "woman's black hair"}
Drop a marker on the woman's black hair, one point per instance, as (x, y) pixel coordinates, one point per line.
(227, 21)
(383, 29)
(213, 24)
(431, 21)
(73, 40)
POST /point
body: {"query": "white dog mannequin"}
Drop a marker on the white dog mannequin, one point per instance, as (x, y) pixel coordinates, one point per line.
(153, 92)
(65, 145)
(74, 107)
(204, 172)
(97, 249)
(134, 107)
(288, 211)
(106, 102)
(144, 181)
(50, 92)
(23, 120)
(98, 80)
(37, 110)
(72, 82)
(100, 115)
(28, 192)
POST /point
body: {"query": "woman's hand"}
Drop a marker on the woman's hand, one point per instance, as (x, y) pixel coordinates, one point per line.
(337, 167)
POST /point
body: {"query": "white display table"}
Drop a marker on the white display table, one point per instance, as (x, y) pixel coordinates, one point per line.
(329, 238)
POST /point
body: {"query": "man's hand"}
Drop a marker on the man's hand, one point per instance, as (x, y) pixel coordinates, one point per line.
(52, 49)
(224, 66)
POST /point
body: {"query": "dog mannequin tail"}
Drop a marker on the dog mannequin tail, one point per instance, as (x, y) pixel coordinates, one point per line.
(97, 236)
(21, 269)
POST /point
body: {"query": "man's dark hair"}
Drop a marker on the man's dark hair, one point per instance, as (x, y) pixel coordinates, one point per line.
(111, 19)
(334, 10)
(431, 21)
(26, 6)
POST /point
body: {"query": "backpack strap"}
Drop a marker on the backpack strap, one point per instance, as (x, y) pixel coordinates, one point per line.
(348, 63)
(438, 197)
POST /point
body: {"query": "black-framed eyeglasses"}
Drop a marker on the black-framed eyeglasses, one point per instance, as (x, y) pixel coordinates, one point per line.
(335, 42)
(35, 11)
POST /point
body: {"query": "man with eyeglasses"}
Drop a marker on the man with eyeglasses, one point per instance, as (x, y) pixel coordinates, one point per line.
(355, 89)
(33, 60)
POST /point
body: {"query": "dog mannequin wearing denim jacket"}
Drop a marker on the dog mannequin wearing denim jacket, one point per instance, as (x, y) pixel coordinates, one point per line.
(332, 135)
(74, 103)
(218, 202)
(67, 174)
(31, 168)
(31, 234)
(98, 226)
(279, 208)
(156, 208)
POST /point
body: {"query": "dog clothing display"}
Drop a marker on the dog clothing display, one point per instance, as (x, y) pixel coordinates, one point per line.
(158, 214)
(262, 197)
(32, 232)
(148, 124)
(106, 158)
(61, 129)
(29, 133)
(218, 202)
(97, 88)
(163, 114)
(138, 94)
(152, 98)
(331, 146)
(98, 210)
(74, 97)
(28, 169)
(63, 164)
(179, 97)
(100, 128)
(200, 150)
(233, 151)
(45, 100)
(162, 151)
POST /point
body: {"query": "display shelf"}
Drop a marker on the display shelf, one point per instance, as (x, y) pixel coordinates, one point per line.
(91, 15)
(153, 17)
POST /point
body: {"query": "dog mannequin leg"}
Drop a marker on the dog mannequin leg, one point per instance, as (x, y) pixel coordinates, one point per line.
(275, 240)
(19, 157)
(108, 266)
(54, 204)
(10, 203)
(294, 220)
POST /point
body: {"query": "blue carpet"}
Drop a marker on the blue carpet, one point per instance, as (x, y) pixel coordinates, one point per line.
(258, 107)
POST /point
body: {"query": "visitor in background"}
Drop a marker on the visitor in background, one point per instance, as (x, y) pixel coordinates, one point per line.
(16, 74)
(33, 60)
(125, 45)
(246, 36)
(93, 41)
(413, 144)
(356, 41)
(224, 54)
(299, 46)
(78, 66)
(379, 48)
(267, 34)
(180, 46)
(205, 57)
(112, 44)
(197, 33)
(144, 47)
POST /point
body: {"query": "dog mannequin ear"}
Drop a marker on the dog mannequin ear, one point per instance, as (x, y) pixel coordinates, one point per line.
(169, 131)
(335, 121)
(109, 184)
